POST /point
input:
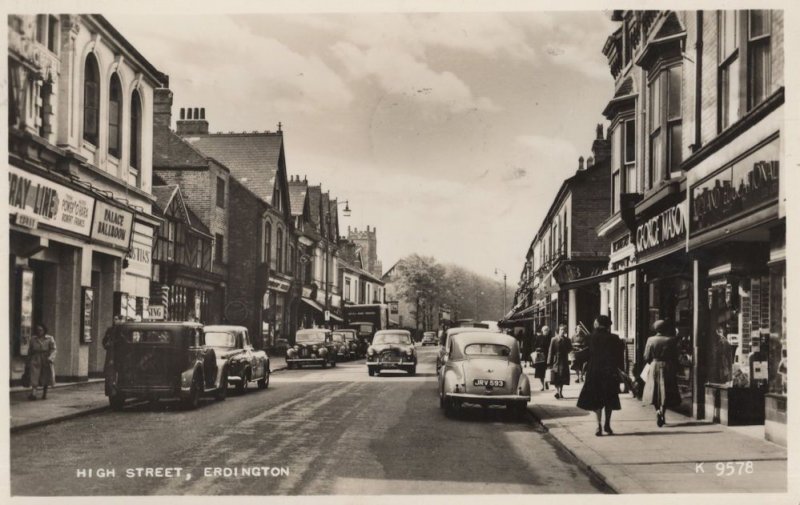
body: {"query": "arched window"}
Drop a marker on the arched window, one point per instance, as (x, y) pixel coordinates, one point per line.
(136, 130)
(115, 116)
(279, 251)
(91, 100)
(267, 242)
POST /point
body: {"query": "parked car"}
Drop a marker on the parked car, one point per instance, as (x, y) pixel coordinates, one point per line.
(341, 350)
(441, 358)
(245, 363)
(154, 360)
(351, 340)
(483, 368)
(429, 338)
(392, 349)
(312, 347)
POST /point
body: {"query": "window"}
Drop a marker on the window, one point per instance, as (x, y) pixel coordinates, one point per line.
(629, 155)
(347, 290)
(616, 179)
(114, 116)
(279, 251)
(759, 78)
(665, 124)
(728, 72)
(47, 31)
(91, 100)
(219, 241)
(265, 253)
(171, 233)
(626, 44)
(136, 133)
(220, 192)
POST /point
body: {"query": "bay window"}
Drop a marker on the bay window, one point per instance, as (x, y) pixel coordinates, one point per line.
(665, 124)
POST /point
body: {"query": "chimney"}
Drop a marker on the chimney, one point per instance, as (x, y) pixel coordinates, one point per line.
(601, 147)
(589, 162)
(580, 163)
(162, 107)
(192, 121)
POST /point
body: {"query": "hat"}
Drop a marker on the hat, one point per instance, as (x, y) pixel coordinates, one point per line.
(663, 327)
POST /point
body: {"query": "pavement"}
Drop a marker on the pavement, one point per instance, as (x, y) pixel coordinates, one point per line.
(686, 455)
(70, 400)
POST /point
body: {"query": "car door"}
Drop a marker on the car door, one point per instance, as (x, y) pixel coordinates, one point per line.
(255, 365)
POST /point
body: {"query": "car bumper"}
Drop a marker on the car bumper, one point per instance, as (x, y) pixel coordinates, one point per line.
(306, 360)
(473, 398)
(391, 364)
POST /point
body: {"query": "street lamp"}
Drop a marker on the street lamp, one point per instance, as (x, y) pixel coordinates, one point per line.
(328, 250)
(496, 270)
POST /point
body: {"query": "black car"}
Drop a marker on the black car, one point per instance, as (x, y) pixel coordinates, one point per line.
(312, 347)
(392, 349)
(246, 363)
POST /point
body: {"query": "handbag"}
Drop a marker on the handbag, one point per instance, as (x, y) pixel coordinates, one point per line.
(571, 356)
(538, 357)
(26, 375)
(548, 375)
(645, 371)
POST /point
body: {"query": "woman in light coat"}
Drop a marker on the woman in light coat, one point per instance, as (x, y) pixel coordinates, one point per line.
(41, 358)
(558, 360)
(661, 382)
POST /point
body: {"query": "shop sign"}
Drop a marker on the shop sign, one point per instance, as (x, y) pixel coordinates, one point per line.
(306, 292)
(661, 230)
(140, 259)
(88, 315)
(112, 225)
(738, 188)
(278, 285)
(47, 202)
(155, 312)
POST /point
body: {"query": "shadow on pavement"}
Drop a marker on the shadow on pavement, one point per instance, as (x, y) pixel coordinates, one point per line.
(661, 432)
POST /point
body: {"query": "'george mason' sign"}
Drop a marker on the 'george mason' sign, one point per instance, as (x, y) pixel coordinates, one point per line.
(662, 229)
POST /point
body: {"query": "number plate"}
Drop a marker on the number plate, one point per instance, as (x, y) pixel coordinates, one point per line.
(495, 383)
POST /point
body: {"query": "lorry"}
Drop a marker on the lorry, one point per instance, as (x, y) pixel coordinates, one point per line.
(366, 320)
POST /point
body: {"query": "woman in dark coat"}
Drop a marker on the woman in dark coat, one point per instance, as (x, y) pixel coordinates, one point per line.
(541, 343)
(558, 360)
(601, 385)
(661, 382)
(527, 346)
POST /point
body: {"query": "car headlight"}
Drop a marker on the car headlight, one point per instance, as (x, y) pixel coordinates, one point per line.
(371, 351)
(323, 352)
(296, 348)
(290, 352)
(313, 347)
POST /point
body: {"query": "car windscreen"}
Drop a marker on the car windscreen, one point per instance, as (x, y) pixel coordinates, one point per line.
(220, 339)
(488, 350)
(149, 336)
(338, 337)
(392, 338)
(310, 338)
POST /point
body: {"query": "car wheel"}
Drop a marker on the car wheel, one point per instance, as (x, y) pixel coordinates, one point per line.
(264, 382)
(193, 400)
(116, 401)
(241, 387)
(289, 365)
(222, 391)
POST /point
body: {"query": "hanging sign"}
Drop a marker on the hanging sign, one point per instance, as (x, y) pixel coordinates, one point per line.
(112, 225)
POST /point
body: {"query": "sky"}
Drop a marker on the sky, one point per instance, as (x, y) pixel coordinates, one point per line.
(450, 133)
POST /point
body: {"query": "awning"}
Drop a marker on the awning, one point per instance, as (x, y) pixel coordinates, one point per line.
(314, 305)
(588, 281)
(393, 322)
(336, 318)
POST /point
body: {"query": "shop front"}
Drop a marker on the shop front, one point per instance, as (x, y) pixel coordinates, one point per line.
(737, 240)
(665, 275)
(277, 308)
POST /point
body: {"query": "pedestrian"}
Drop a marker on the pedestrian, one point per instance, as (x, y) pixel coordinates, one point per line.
(541, 344)
(558, 360)
(601, 385)
(41, 356)
(578, 344)
(527, 347)
(661, 382)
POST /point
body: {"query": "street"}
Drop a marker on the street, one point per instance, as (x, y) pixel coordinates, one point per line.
(334, 431)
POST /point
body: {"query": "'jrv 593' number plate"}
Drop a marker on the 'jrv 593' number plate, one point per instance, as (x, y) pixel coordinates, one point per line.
(495, 383)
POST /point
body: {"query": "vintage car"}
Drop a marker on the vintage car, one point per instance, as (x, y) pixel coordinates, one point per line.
(312, 346)
(392, 349)
(429, 338)
(483, 368)
(351, 340)
(341, 349)
(441, 357)
(153, 360)
(245, 363)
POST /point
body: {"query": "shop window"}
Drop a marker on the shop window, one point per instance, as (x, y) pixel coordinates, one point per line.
(665, 124)
(728, 71)
(91, 100)
(347, 290)
(759, 78)
(136, 135)
(114, 116)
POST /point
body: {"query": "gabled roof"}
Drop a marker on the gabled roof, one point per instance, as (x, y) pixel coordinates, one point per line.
(196, 222)
(253, 158)
(298, 191)
(171, 151)
(164, 195)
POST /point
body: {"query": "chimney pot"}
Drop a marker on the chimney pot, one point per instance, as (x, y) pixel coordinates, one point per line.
(600, 132)
(580, 163)
(203, 113)
(589, 162)
(196, 113)
(183, 113)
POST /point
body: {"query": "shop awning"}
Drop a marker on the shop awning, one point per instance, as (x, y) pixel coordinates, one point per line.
(336, 318)
(314, 305)
(595, 279)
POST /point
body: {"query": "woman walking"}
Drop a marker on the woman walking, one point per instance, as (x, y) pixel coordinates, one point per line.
(661, 383)
(601, 388)
(541, 344)
(558, 360)
(578, 344)
(42, 354)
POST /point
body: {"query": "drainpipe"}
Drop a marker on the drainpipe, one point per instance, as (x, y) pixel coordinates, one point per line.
(698, 92)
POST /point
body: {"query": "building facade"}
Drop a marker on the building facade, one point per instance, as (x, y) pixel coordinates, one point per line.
(80, 156)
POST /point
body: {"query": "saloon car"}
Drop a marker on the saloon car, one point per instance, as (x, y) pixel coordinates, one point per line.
(441, 356)
(245, 363)
(429, 338)
(312, 346)
(154, 360)
(351, 340)
(483, 368)
(341, 349)
(391, 349)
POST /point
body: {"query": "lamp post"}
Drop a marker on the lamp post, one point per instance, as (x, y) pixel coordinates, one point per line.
(496, 270)
(328, 249)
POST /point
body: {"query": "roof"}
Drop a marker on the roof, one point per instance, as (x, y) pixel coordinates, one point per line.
(396, 330)
(195, 221)
(171, 151)
(298, 190)
(314, 198)
(360, 271)
(164, 195)
(253, 158)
